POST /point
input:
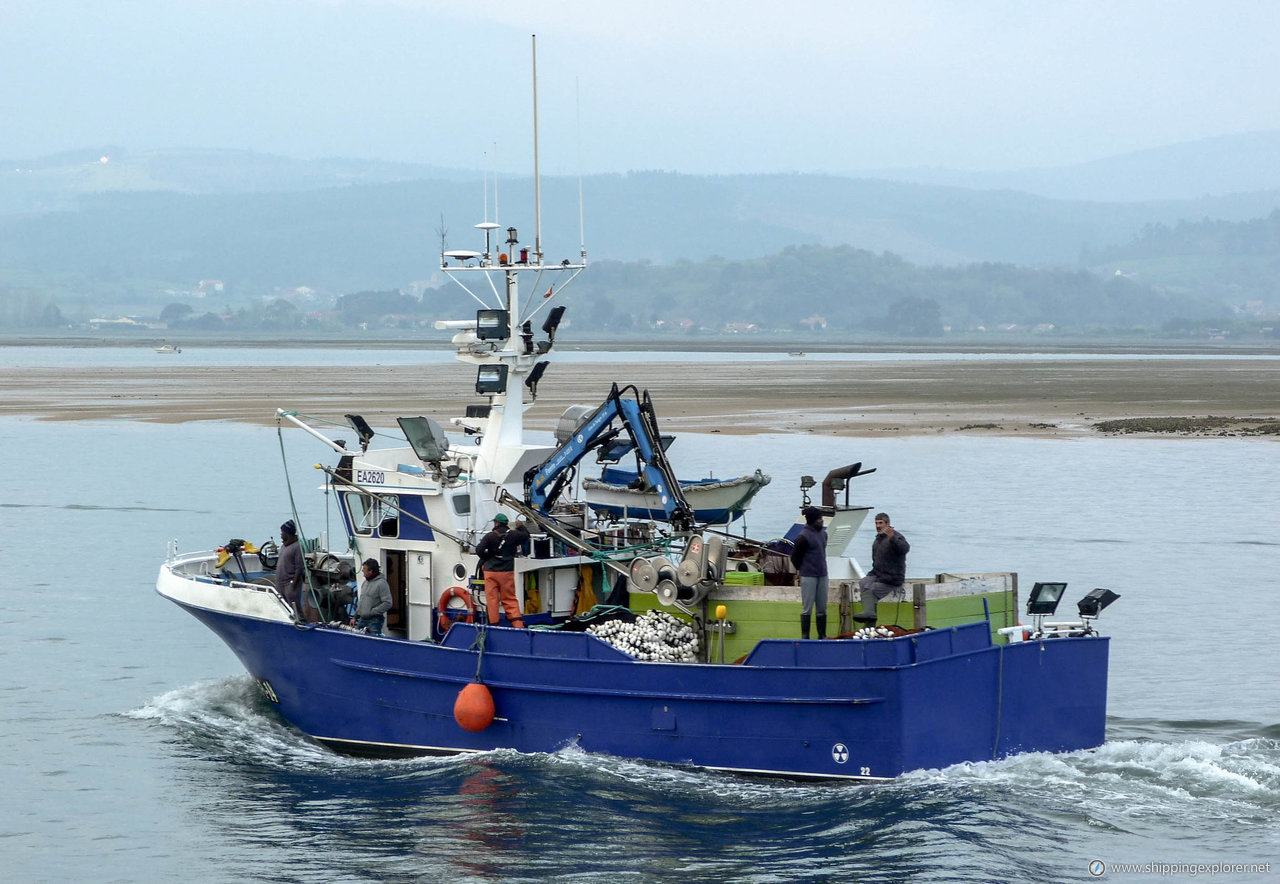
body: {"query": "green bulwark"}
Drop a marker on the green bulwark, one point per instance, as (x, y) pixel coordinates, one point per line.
(759, 612)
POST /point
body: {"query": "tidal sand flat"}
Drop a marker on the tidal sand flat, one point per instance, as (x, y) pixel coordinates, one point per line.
(1033, 396)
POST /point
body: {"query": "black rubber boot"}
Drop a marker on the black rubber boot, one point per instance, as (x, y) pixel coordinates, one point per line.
(804, 625)
(822, 626)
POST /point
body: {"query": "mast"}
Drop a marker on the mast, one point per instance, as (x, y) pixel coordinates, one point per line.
(506, 360)
(537, 179)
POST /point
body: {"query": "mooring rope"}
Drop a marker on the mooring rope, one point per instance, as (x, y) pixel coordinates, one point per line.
(482, 632)
(297, 520)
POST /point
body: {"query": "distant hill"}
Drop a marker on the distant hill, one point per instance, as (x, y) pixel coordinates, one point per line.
(1228, 164)
(379, 235)
(56, 182)
(1236, 262)
(849, 291)
(148, 228)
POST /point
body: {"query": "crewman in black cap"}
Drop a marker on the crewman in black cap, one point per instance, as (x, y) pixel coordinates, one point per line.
(809, 555)
(290, 576)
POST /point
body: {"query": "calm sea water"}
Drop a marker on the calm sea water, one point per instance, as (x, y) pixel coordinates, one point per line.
(137, 750)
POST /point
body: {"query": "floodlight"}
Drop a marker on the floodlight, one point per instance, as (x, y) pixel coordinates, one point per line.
(426, 437)
(491, 325)
(1044, 598)
(552, 322)
(807, 482)
(362, 428)
(1092, 604)
(491, 379)
(536, 375)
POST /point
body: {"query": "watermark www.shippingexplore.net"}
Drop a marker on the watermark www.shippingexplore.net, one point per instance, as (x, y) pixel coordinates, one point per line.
(1099, 869)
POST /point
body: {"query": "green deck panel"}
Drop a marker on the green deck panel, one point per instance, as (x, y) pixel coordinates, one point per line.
(756, 620)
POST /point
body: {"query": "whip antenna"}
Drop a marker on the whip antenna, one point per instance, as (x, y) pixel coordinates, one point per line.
(537, 180)
(582, 230)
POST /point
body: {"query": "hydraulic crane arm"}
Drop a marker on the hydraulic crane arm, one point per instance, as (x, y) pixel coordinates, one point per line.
(543, 484)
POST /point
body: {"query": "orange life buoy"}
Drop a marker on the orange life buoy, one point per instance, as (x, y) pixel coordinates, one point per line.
(454, 592)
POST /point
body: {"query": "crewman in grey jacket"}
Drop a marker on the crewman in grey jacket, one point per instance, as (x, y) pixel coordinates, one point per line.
(375, 599)
(888, 568)
(291, 578)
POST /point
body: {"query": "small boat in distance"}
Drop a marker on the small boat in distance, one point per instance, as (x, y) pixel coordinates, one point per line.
(168, 348)
(795, 354)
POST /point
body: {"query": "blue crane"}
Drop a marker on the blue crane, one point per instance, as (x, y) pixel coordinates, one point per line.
(543, 484)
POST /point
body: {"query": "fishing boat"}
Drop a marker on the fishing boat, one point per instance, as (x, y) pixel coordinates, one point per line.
(168, 349)
(650, 631)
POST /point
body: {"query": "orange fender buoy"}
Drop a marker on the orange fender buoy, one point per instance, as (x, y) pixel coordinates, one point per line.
(473, 710)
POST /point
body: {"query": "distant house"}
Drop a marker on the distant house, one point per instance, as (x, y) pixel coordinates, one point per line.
(119, 322)
(208, 286)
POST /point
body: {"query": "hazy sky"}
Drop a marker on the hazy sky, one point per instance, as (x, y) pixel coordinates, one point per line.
(683, 85)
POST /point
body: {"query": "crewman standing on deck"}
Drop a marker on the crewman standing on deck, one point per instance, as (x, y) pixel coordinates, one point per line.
(290, 577)
(809, 555)
(497, 551)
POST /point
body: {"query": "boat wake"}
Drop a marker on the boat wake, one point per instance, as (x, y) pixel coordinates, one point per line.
(1133, 785)
(1158, 778)
(230, 718)
(1239, 778)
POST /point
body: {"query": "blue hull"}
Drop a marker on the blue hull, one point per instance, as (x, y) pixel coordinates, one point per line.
(862, 709)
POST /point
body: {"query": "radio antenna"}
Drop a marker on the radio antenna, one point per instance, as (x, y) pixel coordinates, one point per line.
(582, 230)
(537, 180)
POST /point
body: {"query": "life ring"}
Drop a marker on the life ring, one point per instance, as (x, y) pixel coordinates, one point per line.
(454, 592)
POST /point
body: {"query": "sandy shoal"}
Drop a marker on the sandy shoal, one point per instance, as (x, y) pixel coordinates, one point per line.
(1032, 397)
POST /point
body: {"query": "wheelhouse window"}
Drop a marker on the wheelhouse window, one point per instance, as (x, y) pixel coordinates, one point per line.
(368, 512)
(461, 504)
(389, 526)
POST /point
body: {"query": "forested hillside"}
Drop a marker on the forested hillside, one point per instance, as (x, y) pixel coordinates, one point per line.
(668, 251)
(853, 291)
(1237, 262)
